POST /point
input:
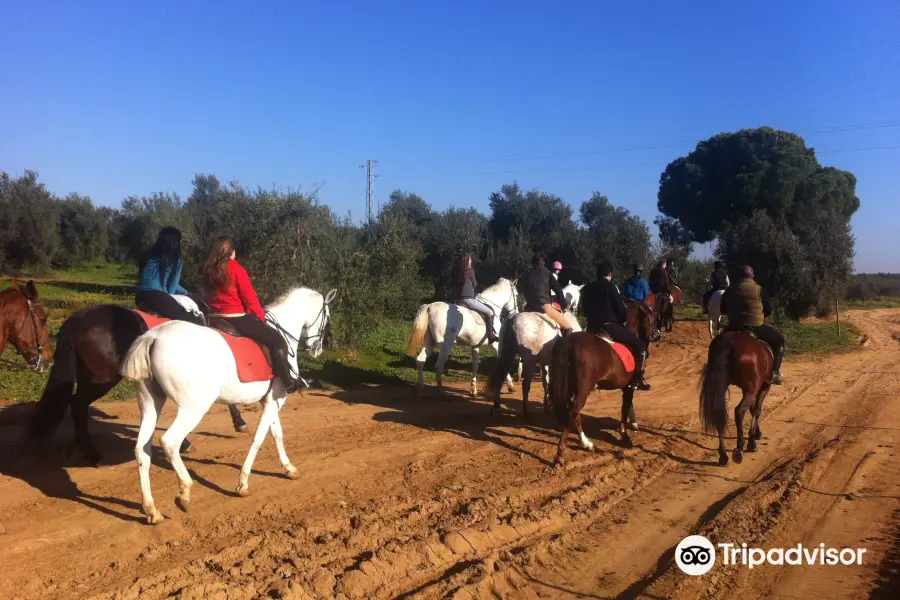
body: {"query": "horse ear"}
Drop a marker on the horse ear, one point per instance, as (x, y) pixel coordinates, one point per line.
(580, 286)
(514, 282)
(15, 284)
(330, 296)
(30, 291)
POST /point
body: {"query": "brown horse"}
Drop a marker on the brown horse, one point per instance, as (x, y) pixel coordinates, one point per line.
(23, 321)
(582, 362)
(735, 358)
(90, 348)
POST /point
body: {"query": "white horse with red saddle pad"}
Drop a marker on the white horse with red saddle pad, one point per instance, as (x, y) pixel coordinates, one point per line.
(195, 367)
(440, 325)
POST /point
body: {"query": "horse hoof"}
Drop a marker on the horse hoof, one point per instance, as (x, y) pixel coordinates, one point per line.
(626, 441)
(723, 460)
(758, 434)
(633, 427)
(751, 447)
(155, 517)
(186, 447)
(737, 456)
(182, 503)
(559, 462)
(292, 472)
(93, 459)
(243, 490)
(242, 428)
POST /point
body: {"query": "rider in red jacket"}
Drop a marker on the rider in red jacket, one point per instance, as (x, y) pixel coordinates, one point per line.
(231, 296)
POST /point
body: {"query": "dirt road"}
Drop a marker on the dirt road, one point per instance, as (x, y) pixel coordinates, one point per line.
(411, 498)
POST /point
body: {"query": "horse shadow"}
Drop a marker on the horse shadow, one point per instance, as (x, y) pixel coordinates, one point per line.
(47, 469)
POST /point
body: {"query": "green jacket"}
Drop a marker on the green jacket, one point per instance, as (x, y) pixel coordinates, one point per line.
(745, 305)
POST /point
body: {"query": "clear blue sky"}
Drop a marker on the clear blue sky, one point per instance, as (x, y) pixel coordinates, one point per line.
(111, 99)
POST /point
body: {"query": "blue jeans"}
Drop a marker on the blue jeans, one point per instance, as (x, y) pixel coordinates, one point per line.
(483, 309)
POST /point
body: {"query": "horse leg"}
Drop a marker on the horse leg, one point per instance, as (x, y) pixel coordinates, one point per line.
(266, 419)
(527, 376)
(545, 381)
(186, 420)
(85, 394)
(739, 411)
(150, 404)
(278, 436)
(755, 432)
(426, 350)
(627, 413)
(443, 356)
(476, 358)
(237, 420)
(585, 442)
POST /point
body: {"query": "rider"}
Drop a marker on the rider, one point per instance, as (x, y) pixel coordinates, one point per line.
(636, 287)
(605, 311)
(160, 279)
(232, 297)
(464, 291)
(718, 280)
(659, 284)
(537, 285)
(747, 308)
(557, 267)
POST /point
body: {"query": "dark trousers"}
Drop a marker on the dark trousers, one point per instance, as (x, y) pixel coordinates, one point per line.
(626, 336)
(769, 335)
(251, 327)
(164, 305)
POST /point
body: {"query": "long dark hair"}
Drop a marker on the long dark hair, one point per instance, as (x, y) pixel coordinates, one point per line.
(215, 271)
(166, 251)
(462, 267)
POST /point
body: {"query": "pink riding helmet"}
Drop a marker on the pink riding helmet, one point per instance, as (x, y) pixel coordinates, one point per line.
(557, 265)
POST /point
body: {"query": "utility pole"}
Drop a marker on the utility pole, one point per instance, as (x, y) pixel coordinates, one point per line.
(370, 188)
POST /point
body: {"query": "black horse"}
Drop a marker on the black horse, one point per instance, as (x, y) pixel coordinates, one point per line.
(91, 345)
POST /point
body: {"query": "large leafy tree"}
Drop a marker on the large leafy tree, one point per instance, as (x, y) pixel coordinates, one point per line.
(614, 233)
(729, 176)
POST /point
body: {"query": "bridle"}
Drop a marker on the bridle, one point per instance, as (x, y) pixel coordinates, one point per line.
(36, 363)
(294, 342)
(513, 299)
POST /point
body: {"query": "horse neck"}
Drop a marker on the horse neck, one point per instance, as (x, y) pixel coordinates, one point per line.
(10, 306)
(296, 313)
(633, 314)
(498, 294)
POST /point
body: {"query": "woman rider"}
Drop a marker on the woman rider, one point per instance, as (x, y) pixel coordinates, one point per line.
(160, 279)
(231, 297)
(464, 291)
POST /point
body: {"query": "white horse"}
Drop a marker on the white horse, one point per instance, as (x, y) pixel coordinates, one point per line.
(194, 367)
(531, 337)
(441, 325)
(572, 293)
(714, 313)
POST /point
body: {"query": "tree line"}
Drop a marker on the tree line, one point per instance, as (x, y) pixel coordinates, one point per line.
(760, 194)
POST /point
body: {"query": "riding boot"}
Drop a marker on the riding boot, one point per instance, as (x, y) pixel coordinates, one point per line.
(777, 378)
(637, 381)
(491, 332)
(282, 368)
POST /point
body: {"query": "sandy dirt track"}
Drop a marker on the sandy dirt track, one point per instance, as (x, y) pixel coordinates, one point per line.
(421, 498)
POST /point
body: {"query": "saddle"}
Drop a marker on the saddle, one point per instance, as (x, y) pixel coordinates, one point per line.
(620, 349)
(253, 361)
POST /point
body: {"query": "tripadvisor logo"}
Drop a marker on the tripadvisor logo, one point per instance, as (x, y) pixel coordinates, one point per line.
(696, 555)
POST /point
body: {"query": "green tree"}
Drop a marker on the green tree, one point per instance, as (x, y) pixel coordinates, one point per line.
(29, 223)
(614, 233)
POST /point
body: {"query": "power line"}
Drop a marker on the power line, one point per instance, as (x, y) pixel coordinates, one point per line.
(630, 148)
(633, 165)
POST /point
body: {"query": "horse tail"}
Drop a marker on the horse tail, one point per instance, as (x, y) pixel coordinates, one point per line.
(560, 375)
(714, 385)
(415, 339)
(51, 408)
(136, 366)
(505, 357)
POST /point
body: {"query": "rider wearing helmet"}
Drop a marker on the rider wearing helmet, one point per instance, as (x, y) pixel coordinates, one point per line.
(636, 287)
(606, 311)
(747, 307)
(537, 285)
(554, 270)
(659, 284)
(718, 280)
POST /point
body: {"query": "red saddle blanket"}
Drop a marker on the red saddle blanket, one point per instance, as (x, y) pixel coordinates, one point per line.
(251, 363)
(625, 355)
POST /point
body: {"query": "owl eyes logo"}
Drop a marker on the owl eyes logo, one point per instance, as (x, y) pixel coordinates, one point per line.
(695, 555)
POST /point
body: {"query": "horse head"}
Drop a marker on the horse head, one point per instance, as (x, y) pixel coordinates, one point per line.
(28, 329)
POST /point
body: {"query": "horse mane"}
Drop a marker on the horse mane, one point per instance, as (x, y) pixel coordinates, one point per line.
(291, 295)
(497, 284)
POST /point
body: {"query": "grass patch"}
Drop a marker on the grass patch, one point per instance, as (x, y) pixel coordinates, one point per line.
(817, 338)
(875, 303)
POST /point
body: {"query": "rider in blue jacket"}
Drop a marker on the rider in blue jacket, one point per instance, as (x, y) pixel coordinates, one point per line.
(637, 288)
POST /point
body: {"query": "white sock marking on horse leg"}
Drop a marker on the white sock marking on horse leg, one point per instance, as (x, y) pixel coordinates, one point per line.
(266, 419)
(278, 436)
(476, 356)
(586, 443)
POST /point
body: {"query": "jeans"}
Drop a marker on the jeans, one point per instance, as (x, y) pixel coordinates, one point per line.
(483, 309)
(164, 305)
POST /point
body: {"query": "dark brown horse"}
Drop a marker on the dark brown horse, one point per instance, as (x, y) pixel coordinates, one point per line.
(584, 361)
(735, 358)
(23, 321)
(91, 345)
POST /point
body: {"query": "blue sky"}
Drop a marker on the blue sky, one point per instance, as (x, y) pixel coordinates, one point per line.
(454, 99)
